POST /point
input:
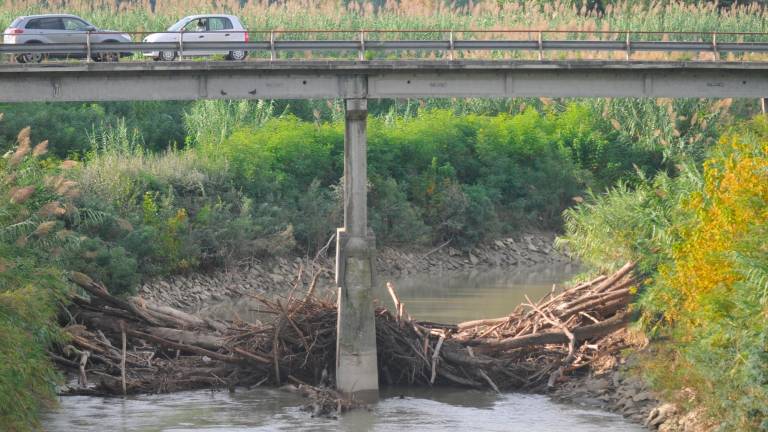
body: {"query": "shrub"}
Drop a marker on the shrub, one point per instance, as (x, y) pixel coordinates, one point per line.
(111, 265)
(33, 203)
(393, 218)
(701, 241)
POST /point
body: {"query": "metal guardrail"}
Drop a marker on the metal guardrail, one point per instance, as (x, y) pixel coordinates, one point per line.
(362, 43)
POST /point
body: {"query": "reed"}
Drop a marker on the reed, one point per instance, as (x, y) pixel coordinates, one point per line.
(432, 19)
(410, 15)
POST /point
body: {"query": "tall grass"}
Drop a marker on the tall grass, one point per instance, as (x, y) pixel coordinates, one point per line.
(410, 15)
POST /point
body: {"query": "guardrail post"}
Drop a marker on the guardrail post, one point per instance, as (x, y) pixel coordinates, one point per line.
(272, 53)
(541, 47)
(362, 45)
(181, 44)
(450, 46)
(88, 46)
(716, 55)
(629, 48)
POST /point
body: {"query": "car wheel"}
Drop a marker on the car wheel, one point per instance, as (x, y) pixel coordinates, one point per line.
(237, 55)
(167, 55)
(107, 57)
(30, 57)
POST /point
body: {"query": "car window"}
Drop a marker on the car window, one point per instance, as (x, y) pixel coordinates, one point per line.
(219, 23)
(197, 25)
(16, 22)
(178, 26)
(46, 24)
(75, 24)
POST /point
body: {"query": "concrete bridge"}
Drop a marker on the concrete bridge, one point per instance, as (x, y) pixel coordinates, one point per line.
(356, 82)
(305, 79)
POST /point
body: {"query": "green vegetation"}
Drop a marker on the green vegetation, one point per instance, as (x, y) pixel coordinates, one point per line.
(36, 203)
(250, 172)
(700, 238)
(414, 15)
(249, 177)
(155, 188)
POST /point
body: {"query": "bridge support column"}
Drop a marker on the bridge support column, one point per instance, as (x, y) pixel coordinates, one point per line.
(356, 368)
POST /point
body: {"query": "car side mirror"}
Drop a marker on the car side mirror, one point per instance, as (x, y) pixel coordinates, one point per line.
(90, 28)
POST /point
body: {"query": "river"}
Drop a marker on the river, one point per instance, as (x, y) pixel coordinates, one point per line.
(451, 297)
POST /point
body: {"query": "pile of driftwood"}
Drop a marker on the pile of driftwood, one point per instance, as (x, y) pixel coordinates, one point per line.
(123, 346)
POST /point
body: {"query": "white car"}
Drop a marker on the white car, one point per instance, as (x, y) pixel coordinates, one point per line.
(201, 28)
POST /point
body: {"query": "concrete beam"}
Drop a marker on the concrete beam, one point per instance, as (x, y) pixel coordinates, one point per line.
(378, 79)
(356, 358)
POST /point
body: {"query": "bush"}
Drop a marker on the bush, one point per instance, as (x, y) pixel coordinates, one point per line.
(393, 218)
(714, 291)
(701, 241)
(111, 265)
(33, 203)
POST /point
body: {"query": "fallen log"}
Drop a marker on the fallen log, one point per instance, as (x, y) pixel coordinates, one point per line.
(554, 337)
(200, 339)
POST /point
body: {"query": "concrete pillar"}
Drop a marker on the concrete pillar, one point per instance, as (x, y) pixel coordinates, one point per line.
(356, 369)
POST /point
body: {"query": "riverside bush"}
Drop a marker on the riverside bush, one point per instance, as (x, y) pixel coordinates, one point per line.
(701, 239)
(436, 175)
(453, 174)
(35, 207)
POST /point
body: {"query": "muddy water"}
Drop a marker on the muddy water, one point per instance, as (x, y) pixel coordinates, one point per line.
(462, 296)
(279, 410)
(445, 298)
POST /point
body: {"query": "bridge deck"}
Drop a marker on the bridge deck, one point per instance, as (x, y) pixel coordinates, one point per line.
(60, 81)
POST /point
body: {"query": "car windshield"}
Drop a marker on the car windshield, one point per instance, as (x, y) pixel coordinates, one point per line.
(179, 24)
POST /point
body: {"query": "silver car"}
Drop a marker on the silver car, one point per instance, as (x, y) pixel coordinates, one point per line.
(201, 28)
(59, 29)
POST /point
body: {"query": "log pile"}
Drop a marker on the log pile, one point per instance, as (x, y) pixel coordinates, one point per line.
(119, 346)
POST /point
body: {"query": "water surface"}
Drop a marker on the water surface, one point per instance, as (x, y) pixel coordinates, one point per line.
(453, 297)
(264, 409)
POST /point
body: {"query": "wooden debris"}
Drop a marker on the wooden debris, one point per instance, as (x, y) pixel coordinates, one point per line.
(165, 350)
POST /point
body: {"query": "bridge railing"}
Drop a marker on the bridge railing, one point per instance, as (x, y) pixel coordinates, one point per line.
(447, 44)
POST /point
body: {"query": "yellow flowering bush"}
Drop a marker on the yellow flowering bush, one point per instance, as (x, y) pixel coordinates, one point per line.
(713, 290)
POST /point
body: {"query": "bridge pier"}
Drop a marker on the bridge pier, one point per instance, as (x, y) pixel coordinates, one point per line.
(356, 368)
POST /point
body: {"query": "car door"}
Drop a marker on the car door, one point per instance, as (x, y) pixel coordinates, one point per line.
(76, 32)
(46, 30)
(220, 30)
(196, 31)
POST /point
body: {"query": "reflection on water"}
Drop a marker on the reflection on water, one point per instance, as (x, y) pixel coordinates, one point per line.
(461, 296)
(277, 410)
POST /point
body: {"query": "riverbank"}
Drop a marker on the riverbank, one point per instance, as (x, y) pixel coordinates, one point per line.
(614, 383)
(606, 384)
(274, 274)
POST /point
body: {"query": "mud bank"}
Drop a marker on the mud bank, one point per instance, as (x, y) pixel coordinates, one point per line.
(613, 383)
(264, 275)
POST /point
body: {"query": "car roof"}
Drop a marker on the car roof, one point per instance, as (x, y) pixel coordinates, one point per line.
(210, 15)
(51, 16)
